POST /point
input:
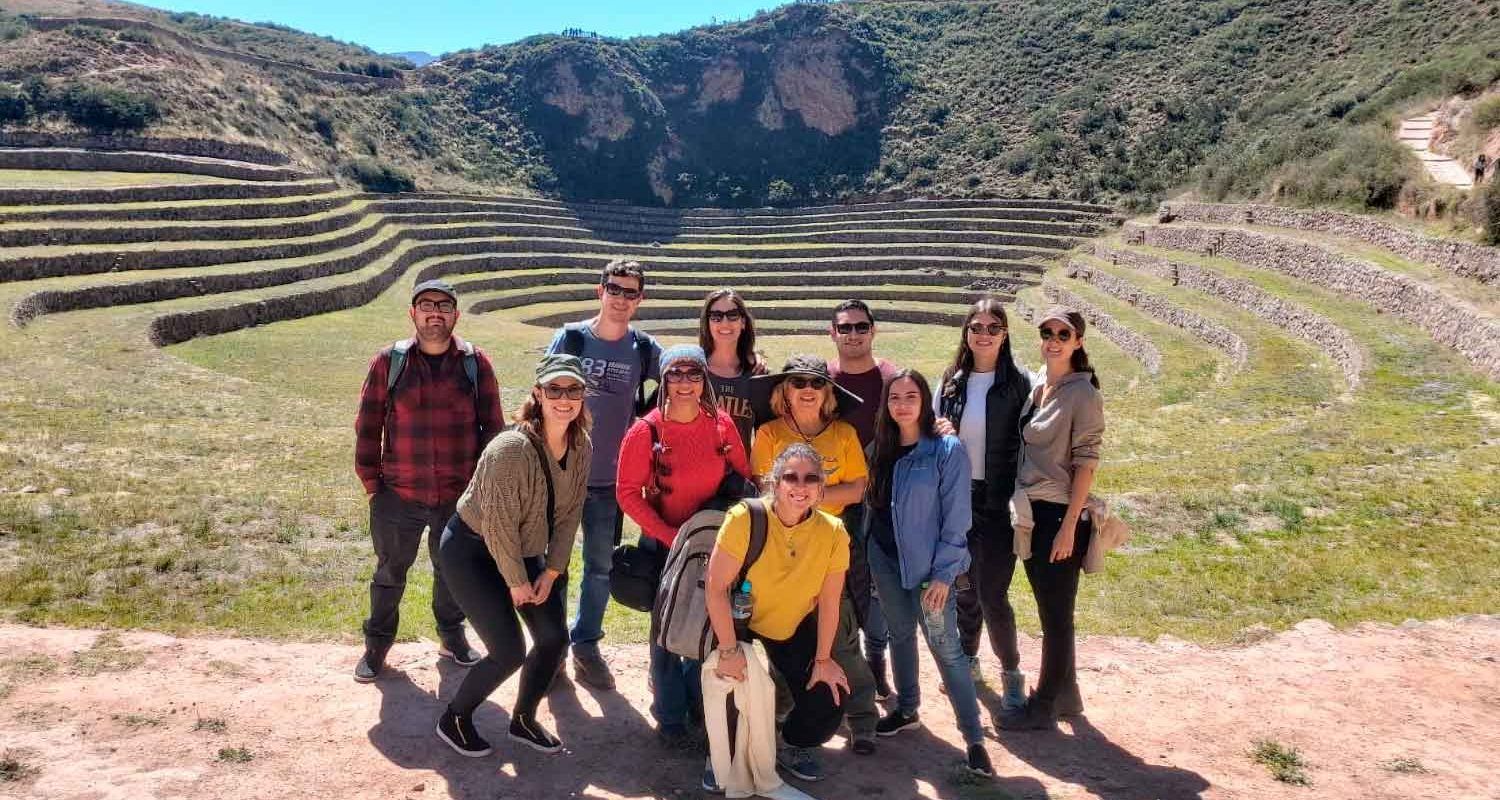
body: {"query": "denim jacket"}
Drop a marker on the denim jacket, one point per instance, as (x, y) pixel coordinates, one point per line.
(930, 511)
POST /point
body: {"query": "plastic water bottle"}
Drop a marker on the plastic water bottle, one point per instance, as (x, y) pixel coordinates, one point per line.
(740, 606)
(933, 618)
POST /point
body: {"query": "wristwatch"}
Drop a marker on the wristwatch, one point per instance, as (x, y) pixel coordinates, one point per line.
(725, 652)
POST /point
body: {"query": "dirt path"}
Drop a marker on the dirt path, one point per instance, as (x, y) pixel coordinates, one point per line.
(147, 715)
(1416, 133)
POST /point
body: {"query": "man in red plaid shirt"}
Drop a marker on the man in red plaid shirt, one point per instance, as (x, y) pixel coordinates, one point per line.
(418, 439)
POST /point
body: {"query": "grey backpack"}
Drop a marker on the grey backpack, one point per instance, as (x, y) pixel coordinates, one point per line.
(679, 621)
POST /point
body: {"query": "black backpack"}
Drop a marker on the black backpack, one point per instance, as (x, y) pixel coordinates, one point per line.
(398, 357)
(572, 344)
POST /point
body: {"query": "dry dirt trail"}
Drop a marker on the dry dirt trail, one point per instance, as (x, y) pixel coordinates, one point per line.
(105, 716)
(1416, 133)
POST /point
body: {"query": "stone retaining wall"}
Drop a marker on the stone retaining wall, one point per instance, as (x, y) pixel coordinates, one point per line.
(1296, 319)
(227, 211)
(1216, 335)
(1464, 259)
(1448, 320)
(798, 313)
(1132, 343)
(59, 158)
(585, 292)
(163, 193)
(954, 280)
(45, 234)
(205, 148)
(1077, 210)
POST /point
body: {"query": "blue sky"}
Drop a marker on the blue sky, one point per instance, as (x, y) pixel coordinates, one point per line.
(439, 26)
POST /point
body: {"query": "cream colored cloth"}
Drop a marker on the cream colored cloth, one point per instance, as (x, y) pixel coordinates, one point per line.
(1109, 530)
(750, 770)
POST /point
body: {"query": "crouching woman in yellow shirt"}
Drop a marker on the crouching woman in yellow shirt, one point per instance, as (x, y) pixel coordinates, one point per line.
(795, 589)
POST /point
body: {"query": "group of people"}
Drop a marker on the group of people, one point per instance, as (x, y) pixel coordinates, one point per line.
(890, 506)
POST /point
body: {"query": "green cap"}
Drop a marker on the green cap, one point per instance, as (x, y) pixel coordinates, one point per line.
(559, 365)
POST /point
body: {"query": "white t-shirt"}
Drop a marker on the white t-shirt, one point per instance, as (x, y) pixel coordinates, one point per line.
(971, 428)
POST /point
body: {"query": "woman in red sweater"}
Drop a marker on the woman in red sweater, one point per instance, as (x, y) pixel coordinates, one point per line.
(695, 445)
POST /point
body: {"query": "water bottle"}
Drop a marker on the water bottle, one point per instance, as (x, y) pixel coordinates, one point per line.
(933, 618)
(740, 606)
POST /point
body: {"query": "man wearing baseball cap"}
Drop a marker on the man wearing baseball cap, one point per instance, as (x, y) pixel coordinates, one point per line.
(429, 406)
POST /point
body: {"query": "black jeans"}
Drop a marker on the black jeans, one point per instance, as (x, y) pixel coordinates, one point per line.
(482, 593)
(987, 599)
(396, 529)
(815, 716)
(1055, 586)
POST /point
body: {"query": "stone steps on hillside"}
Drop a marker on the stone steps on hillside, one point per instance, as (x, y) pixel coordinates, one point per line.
(1416, 133)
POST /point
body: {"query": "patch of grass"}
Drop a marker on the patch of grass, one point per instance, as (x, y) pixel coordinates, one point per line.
(1405, 766)
(28, 668)
(137, 721)
(106, 654)
(975, 787)
(1284, 763)
(211, 725)
(235, 755)
(14, 768)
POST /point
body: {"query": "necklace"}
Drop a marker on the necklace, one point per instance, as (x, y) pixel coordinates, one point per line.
(797, 429)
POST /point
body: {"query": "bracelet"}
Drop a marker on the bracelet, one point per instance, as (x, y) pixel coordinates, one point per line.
(817, 660)
(729, 651)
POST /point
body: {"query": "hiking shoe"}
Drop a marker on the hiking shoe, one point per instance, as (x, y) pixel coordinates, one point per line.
(896, 722)
(1031, 717)
(459, 733)
(710, 781)
(882, 685)
(1069, 703)
(1015, 690)
(591, 670)
(802, 762)
(977, 672)
(978, 761)
(455, 648)
(527, 731)
(369, 666)
(863, 747)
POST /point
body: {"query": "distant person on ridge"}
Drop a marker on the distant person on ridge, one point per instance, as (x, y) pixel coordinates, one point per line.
(1481, 163)
(429, 406)
(617, 361)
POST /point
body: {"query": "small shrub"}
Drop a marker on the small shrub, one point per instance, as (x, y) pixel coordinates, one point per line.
(136, 36)
(378, 176)
(15, 106)
(1365, 170)
(13, 768)
(780, 191)
(12, 28)
(235, 755)
(1489, 211)
(211, 724)
(1285, 763)
(322, 124)
(1486, 114)
(106, 109)
(1406, 766)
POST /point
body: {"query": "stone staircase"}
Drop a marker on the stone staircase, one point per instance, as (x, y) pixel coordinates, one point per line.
(1416, 133)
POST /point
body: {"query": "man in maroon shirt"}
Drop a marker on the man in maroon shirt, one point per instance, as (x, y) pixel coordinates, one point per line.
(858, 370)
(419, 434)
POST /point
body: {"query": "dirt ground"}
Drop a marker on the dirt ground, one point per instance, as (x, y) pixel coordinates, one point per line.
(1376, 712)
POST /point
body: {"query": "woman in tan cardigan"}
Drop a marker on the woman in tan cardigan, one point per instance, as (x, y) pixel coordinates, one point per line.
(505, 551)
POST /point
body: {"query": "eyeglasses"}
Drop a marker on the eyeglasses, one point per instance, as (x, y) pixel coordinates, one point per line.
(554, 391)
(441, 306)
(805, 479)
(1062, 335)
(846, 328)
(992, 328)
(802, 382)
(616, 290)
(733, 315)
(681, 375)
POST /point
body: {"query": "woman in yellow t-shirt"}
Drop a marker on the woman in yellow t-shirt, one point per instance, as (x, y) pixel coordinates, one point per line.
(795, 590)
(808, 404)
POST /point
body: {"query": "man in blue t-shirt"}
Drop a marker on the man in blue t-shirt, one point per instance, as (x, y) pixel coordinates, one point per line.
(617, 361)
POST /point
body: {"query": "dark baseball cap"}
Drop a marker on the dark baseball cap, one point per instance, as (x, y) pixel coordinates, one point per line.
(434, 285)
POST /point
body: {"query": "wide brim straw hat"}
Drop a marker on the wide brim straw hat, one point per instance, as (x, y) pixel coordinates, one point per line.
(812, 367)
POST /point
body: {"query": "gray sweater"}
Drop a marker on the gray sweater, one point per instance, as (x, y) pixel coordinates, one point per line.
(506, 503)
(1063, 433)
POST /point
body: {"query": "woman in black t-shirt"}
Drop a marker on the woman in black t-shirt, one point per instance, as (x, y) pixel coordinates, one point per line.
(726, 332)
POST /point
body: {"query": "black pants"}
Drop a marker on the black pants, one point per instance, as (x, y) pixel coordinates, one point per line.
(482, 593)
(815, 716)
(1055, 586)
(986, 600)
(396, 528)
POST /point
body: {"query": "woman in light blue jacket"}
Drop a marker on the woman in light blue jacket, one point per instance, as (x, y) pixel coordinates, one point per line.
(917, 526)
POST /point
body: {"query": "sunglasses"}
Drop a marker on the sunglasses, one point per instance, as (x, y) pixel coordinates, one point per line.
(554, 391)
(616, 290)
(725, 316)
(846, 328)
(441, 306)
(992, 328)
(802, 382)
(1061, 335)
(681, 375)
(807, 479)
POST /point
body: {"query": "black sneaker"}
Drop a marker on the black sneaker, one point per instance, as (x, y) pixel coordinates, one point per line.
(528, 732)
(456, 648)
(369, 666)
(979, 761)
(458, 731)
(882, 686)
(896, 722)
(591, 670)
(863, 747)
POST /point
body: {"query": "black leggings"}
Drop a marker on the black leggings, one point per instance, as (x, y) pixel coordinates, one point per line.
(477, 586)
(1055, 587)
(815, 716)
(987, 598)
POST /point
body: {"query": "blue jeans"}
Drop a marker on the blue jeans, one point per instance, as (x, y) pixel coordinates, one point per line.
(903, 613)
(861, 591)
(678, 684)
(602, 523)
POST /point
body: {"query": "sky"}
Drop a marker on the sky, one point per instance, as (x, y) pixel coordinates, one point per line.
(440, 26)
